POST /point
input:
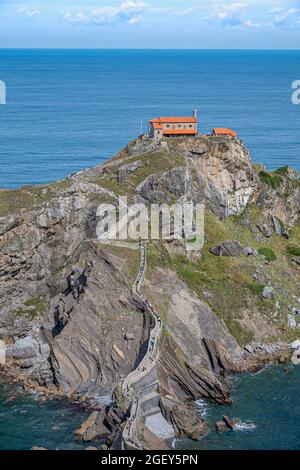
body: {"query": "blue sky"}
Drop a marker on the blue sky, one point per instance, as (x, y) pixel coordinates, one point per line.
(150, 24)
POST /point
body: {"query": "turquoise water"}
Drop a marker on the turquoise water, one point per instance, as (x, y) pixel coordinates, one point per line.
(268, 403)
(71, 109)
(26, 421)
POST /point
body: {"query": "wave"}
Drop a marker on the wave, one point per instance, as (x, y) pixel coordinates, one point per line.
(244, 426)
(203, 407)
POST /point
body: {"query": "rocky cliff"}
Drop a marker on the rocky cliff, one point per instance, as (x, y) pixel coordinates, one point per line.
(68, 317)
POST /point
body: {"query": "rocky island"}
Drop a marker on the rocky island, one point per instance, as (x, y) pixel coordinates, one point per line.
(139, 332)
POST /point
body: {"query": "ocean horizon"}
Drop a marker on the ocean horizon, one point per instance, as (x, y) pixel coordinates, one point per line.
(69, 109)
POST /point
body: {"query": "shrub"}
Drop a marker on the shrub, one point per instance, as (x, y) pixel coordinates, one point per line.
(32, 307)
(293, 250)
(282, 170)
(270, 180)
(268, 253)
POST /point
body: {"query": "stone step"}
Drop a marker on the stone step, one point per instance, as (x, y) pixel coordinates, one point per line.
(150, 402)
(153, 411)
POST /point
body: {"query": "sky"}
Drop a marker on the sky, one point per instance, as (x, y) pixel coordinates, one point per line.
(188, 24)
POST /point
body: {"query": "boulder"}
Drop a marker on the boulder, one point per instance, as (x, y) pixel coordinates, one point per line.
(296, 345)
(249, 349)
(207, 295)
(268, 293)
(184, 418)
(265, 230)
(226, 424)
(85, 431)
(25, 348)
(291, 322)
(228, 248)
(285, 234)
(296, 259)
(124, 170)
(248, 251)
(129, 336)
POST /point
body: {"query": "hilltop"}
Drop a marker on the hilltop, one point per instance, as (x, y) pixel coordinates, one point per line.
(68, 314)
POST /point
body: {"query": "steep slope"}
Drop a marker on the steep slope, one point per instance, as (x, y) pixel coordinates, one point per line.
(69, 317)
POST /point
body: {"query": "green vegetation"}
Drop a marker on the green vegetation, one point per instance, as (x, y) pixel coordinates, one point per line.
(293, 250)
(28, 197)
(156, 162)
(268, 253)
(242, 334)
(121, 401)
(282, 171)
(269, 179)
(32, 307)
(226, 275)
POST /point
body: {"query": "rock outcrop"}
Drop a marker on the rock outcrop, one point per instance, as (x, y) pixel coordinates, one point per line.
(69, 317)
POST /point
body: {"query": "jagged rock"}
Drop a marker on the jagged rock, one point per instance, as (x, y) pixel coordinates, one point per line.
(285, 234)
(248, 251)
(43, 222)
(224, 179)
(124, 170)
(38, 448)
(295, 311)
(9, 222)
(265, 230)
(169, 185)
(80, 315)
(291, 322)
(207, 295)
(268, 293)
(249, 349)
(86, 431)
(296, 259)
(296, 345)
(129, 336)
(226, 424)
(228, 248)
(184, 419)
(77, 203)
(25, 348)
(277, 226)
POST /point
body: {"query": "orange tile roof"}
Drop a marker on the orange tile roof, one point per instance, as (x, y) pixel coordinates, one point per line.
(179, 131)
(224, 131)
(162, 120)
(157, 126)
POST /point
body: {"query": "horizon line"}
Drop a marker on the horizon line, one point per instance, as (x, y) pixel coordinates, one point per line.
(149, 48)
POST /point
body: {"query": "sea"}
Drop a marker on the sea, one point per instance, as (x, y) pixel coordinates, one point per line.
(71, 109)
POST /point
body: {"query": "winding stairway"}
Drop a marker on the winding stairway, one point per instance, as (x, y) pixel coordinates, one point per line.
(140, 387)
